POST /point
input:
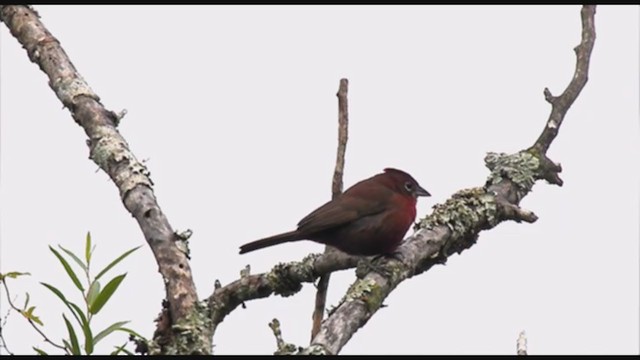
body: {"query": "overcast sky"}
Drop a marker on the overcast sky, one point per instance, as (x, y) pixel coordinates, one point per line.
(234, 109)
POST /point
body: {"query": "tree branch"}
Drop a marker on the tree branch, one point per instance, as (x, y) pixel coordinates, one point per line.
(454, 226)
(561, 104)
(284, 348)
(110, 151)
(343, 136)
(284, 279)
(336, 189)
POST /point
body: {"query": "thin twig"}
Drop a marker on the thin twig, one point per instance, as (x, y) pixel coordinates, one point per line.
(284, 348)
(336, 189)
(6, 289)
(561, 104)
(2, 326)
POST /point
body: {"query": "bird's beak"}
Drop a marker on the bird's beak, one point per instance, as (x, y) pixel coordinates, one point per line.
(422, 192)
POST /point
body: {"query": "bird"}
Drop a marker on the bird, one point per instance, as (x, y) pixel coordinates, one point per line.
(370, 218)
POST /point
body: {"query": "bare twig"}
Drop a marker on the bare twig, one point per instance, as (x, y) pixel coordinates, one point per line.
(521, 344)
(561, 104)
(44, 336)
(284, 348)
(3, 342)
(110, 151)
(343, 136)
(336, 189)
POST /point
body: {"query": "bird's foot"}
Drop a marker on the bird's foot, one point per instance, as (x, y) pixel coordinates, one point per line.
(397, 255)
(367, 265)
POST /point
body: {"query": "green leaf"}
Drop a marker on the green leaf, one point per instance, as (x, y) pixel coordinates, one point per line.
(40, 352)
(87, 248)
(106, 293)
(36, 319)
(29, 315)
(86, 328)
(75, 348)
(88, 340)
(94, 290)
(109, 330)
(120, 349)
(75, 258)
(65, 301)
(66, 345)
(76, 310)
(128, 352)
(26, 301)
(131, 332)
(67, 268)
(13, 275)
(114, 262)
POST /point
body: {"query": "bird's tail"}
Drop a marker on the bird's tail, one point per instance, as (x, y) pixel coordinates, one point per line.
(270, 241)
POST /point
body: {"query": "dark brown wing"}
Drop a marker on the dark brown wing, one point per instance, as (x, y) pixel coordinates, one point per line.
(342, 210)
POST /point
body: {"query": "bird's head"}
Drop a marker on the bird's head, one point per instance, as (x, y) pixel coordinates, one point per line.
(404, 183)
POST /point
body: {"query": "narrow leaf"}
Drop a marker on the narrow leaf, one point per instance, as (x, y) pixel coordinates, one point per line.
(118, 349)
(67, 268)
(40, 352)
(13, 275)
(75, 258)
(26, 301)
(36, 319)
(94, 290)
(76, 310)
(75, 348)
(128, 352)
(28, 314)
(114, 262)
(86, 329)
(131, 332)
(109, 330)
(106, 293)
(64, 300)
(67, 346)
(87, 248)
(88, 340)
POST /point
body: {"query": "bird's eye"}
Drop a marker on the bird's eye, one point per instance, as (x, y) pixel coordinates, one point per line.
(408, 186)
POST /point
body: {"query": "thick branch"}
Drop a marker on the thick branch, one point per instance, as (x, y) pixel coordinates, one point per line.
(336, 189)
(110, 151)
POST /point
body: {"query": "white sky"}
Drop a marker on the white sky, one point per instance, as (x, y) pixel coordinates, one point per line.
(235, 109)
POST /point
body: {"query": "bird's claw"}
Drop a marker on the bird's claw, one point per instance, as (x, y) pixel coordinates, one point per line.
(397, 255)
(367, 265)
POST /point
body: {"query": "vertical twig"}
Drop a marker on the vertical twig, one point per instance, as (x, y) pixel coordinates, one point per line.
(521, 344)
(336, 189)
